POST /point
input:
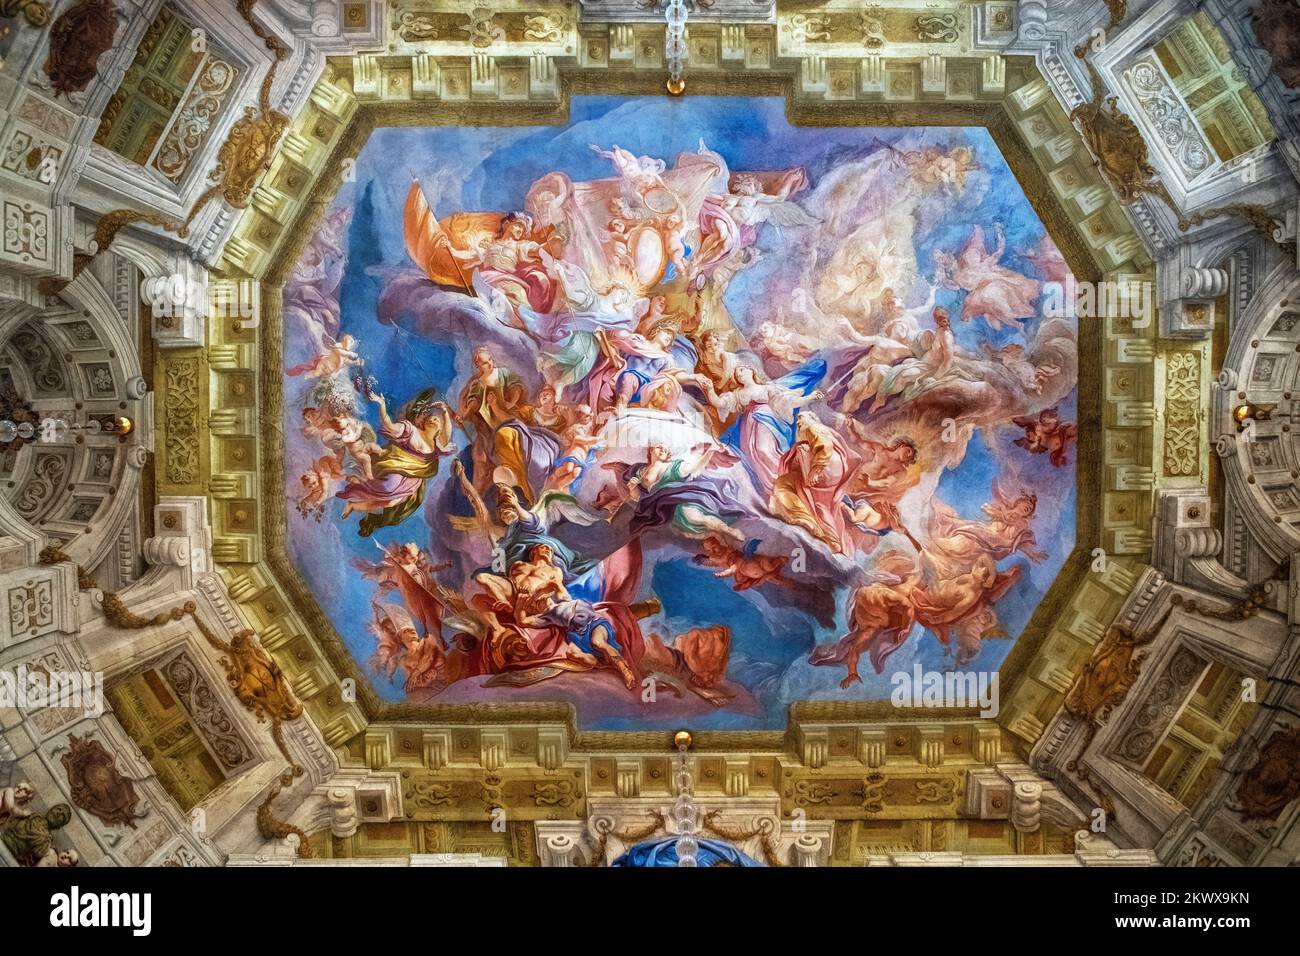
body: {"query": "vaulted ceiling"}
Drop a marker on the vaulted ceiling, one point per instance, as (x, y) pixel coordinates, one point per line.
(176, 174)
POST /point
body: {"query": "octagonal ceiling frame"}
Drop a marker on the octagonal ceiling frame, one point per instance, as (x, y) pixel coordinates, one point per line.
(1114, 485)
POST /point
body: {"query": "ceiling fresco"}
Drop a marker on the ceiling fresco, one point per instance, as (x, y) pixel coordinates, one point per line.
(677, 411)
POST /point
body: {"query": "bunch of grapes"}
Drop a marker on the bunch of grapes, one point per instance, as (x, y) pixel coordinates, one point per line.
(335, 397)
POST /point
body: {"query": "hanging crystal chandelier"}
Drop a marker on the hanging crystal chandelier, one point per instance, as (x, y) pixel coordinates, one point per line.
(685, 812)
(14, 433)
(675, 45)
(17, 422)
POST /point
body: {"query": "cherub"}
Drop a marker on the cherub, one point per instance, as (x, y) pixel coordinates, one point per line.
(945, 169)
(60, 858)
(392, 627)
(16, 801)
(642, 173)
(750, 204)
(30, 838)
(336, 357)
(316, 421)
(318, 486)
(622, 220)
(746, 568)
(580, 441)
(784, 344)
(1047, 434)
(354, 437)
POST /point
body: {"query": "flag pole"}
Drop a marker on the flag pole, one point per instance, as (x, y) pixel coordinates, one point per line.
(469, 286)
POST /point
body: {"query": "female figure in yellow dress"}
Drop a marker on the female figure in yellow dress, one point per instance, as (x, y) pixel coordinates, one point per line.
(419, 437)
(814, 474)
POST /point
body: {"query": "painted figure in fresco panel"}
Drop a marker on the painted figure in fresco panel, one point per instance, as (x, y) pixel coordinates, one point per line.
(493, 396)
(318, 484)
(538, 621)
(958, 609)
(351, 438)
(337, 356)
(673, 492)
(746, 568)
(955, 543)
(931, 355)
(578, 451)
(398, 644)
(16, 801)
(641, 173)
(787, 346)
(513, 261)
(312, 293)
(1000, 295)
(730, 222)
(888, 471)
(640, 370)
(695, 660)
(1047, 434)
(947, 169)
(408, 570)
(30, 838)
(881, 615)
(419, 437)
(814, 474)
(765, 430)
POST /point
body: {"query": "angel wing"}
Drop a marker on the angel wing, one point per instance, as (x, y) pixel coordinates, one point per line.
(377, 571)
(554, 506)
(784, 214)
(482, 519)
